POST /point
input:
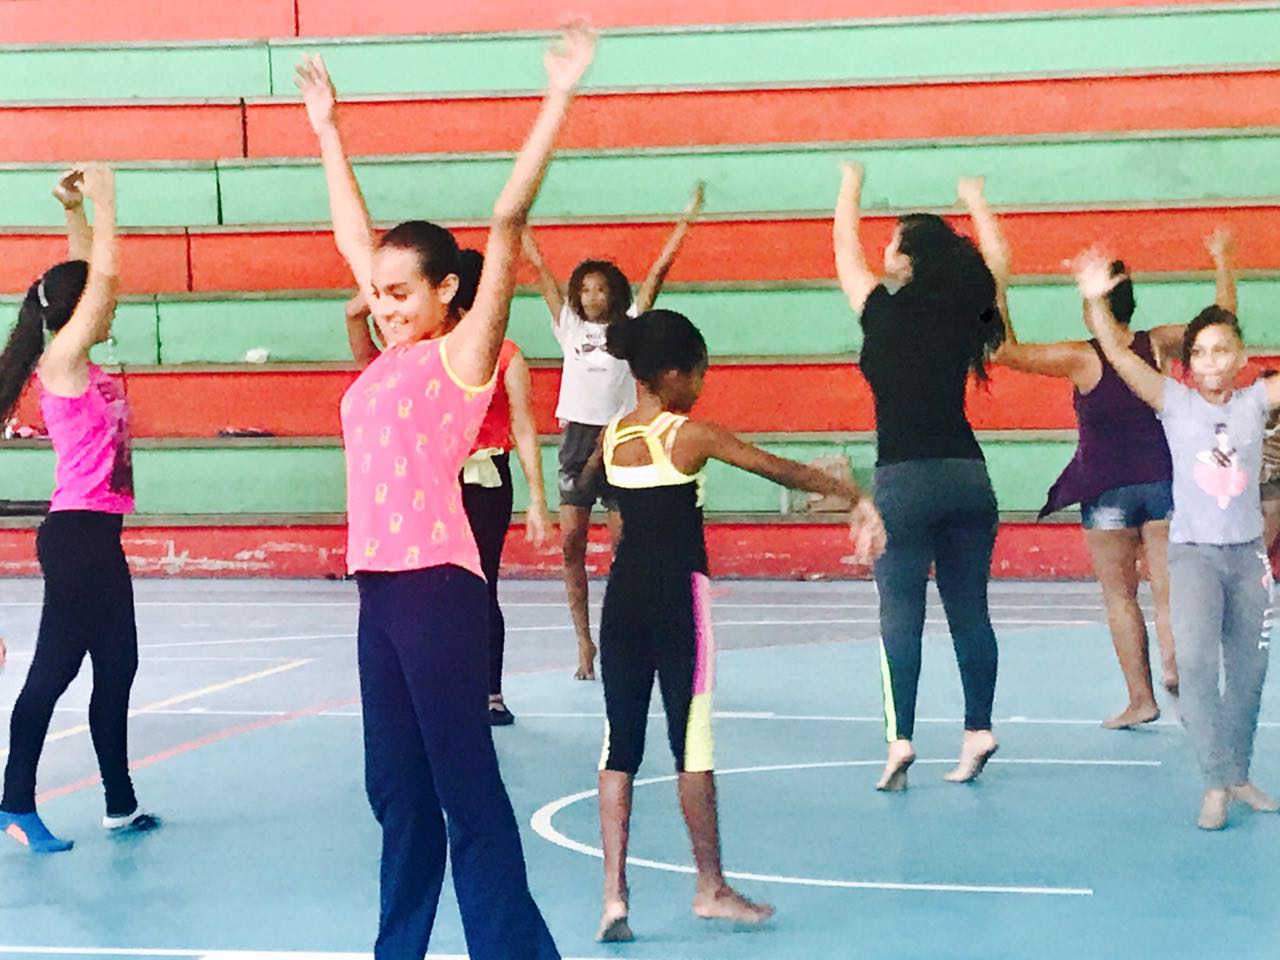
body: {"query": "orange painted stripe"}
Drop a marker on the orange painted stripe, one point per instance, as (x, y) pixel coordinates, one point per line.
(917, 111)
(149, 263)
(76, 21)
(774, 250)
(66, 134)
(341, 17)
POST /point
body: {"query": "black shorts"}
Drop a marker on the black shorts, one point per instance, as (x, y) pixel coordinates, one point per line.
(577, 443)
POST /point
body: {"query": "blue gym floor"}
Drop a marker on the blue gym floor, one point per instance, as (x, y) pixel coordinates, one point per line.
(1076, 843)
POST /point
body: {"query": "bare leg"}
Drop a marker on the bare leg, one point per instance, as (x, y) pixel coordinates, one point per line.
(615, 830)
(714, 898)
(1155, 545)
(1115, 563)
(614, 519)
(574, 525)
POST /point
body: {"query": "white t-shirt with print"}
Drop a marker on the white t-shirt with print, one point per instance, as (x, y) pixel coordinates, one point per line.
(595, 386)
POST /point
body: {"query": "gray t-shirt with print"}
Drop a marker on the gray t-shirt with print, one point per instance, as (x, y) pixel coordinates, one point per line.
(1217, 456)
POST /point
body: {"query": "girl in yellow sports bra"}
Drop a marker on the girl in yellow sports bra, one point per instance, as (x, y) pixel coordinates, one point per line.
(657, 617)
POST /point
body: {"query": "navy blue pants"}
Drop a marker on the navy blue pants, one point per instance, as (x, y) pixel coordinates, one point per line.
(940, 513)
(431, 771)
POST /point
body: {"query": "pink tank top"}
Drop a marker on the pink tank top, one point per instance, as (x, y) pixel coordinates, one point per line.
(408, 424)
(90, 435)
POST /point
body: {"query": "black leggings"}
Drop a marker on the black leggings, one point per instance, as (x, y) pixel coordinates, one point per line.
(940, 512)
(489, 512)
(88, 609)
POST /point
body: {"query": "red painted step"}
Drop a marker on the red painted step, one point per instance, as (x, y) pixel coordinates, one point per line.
(84, 21)
(72, 134)
(1151, 240)
(329, 18)
(915, 111)
(149, 263)
(788, 551)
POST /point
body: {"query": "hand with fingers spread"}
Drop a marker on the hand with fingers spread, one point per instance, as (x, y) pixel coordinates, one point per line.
(67, 189)
(1092, 270)
(313, 82)
(1221, 245)
(866, 529)
(568, 58)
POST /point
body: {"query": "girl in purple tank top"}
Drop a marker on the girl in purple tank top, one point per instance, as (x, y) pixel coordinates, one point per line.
(1121, 474)
(88, 594)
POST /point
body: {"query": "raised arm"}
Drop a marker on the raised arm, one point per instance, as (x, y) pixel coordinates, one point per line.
(1221, 245)
(474, 344)
(364, 350)
(991, 243)
(658, 272)
(79, 235)
(352, 229)
(64, 365)
(524, 430)
(856, 278)
(1093, 276)
(552, 292)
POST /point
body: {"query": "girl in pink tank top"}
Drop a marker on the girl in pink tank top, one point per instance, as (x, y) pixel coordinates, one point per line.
(409, 422)
(88, 593)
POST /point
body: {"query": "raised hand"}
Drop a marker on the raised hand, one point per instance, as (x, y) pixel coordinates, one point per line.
(696, 200)
(866, 529)
(67, 189)
(358, 309)
(569, 56)
(98, 184)
(312, 80)
(1221, 244)
(970, 189)
(1092, 270)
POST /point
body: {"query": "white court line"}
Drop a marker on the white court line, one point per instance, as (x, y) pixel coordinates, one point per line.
(543, 826)
(217, 954)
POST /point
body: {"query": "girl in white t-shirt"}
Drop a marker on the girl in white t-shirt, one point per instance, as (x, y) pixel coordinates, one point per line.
(594, 389)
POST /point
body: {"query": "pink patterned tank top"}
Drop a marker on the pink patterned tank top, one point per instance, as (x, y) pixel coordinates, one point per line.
(408, 424)
(90, 436)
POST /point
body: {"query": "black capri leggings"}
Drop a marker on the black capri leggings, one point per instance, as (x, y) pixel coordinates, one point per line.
(943, 513)
(88, 609)
(489, 512)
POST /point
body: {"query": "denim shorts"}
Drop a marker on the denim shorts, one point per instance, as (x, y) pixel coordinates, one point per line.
(1128, 507)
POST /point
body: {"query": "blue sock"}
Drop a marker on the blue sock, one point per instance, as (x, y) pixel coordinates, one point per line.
(29, 830)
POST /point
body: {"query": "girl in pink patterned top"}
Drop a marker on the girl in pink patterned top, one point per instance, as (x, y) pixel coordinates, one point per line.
(408, 423)
(88, 594)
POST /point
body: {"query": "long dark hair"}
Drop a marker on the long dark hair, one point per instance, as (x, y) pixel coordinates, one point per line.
(48, 305)
(948, 267)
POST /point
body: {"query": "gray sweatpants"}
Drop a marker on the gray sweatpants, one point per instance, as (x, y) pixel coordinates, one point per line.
(1220, 600)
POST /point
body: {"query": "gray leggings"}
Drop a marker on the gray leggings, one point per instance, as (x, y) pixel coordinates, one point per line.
(1220, 600)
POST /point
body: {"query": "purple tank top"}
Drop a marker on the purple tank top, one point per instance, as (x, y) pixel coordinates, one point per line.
(1120, 440)
(90, 436)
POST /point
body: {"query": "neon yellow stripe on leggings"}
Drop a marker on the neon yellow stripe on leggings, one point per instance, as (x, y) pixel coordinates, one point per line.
(890, 712)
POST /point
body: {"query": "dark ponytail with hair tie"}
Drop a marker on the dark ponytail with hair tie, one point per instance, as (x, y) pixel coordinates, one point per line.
(48, 306)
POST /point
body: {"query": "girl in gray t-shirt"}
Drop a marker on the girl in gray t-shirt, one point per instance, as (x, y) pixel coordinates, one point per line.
(1220, 577)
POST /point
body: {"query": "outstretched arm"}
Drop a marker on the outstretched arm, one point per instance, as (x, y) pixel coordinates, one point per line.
(992, 244)
(547, 282)
(352, 229)
(79, 234)
(658, 272)
(64, 365)
(856, 279)
(524, 430)
(474, 344)
(1093, 276)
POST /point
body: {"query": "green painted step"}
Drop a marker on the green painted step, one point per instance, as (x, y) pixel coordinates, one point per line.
(835, 53)
(148, 195)
(289, 479)
(779, 322)
(135, 71)
(134, 329)
(1123, 169)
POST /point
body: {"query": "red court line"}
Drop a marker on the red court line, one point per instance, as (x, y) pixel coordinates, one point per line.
(915, 111)
(205, 741)
(149, 263)
(78, 21)
(341, 17)
(1154, 240)
(73, 134)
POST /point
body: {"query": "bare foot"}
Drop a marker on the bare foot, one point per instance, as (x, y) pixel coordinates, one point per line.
(613, 924)
(1213, 810)
(586, 661)
(978, 747)
(1251, 796)
(894, 777)
(1132, 716)
(726, 903)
